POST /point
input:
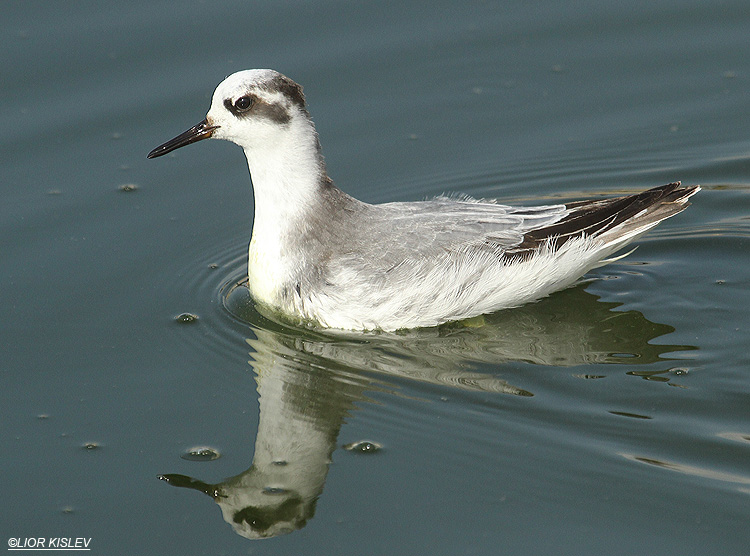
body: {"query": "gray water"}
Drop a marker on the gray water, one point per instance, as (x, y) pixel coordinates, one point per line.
(610, 418)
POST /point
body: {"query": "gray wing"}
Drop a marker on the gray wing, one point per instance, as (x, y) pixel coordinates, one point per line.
(429, 228)
(393, 233)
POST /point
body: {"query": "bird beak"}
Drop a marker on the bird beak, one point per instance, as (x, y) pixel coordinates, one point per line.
(201, 131)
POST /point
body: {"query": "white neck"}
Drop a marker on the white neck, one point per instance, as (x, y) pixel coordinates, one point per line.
(286, 178)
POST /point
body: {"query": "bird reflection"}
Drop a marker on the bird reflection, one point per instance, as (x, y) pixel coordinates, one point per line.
(308, 381)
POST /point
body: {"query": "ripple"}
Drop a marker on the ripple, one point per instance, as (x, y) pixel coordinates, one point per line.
(630, 415)
(204, 281)
(660, 376)
(736, 436)
(693, 470)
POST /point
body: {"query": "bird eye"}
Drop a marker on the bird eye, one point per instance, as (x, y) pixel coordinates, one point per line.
(243, 103)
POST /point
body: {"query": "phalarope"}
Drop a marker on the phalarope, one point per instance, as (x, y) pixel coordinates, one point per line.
(321, 255)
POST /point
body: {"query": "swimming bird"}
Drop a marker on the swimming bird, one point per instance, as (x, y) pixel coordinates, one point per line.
(320, 255)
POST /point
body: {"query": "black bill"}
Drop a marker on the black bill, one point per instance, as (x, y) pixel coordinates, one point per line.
(195, 133)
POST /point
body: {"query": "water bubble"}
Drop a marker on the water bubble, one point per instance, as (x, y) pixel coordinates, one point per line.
(186, 318)
(201, 453)
(363, 447)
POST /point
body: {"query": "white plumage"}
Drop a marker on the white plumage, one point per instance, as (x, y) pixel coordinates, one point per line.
(318, 254)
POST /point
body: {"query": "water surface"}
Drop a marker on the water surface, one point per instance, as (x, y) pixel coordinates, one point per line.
(610, 418)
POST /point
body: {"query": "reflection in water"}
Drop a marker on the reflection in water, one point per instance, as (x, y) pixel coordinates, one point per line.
(308, 381)
(302, 407)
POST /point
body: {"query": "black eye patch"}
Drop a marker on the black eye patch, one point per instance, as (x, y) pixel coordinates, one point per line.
(250, 105)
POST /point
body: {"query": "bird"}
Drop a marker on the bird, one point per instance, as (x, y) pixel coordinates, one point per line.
(324, 258)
